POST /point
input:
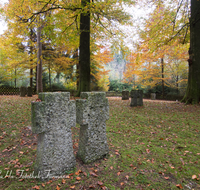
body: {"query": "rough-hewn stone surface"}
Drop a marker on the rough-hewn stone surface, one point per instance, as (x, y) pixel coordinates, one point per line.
(52, 119)
(125, 95)
(22, 91)
(92, 111)
(136, 98)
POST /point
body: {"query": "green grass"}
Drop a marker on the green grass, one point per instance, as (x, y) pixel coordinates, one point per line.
(151, 147)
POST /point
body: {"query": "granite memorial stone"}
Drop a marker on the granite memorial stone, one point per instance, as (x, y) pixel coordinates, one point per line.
(136, 98)
(52, 119)
(22, 91)
(92, 111)
(153, 96)
(125, 95)
(29, 91)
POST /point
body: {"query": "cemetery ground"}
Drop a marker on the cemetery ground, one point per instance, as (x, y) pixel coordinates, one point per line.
(155, 146)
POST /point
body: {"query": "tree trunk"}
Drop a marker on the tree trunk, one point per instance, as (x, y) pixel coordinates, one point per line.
(39, 61)
(50, 77)
(31, 60)
(75, 56)
(15, 77)
(163, 83)
(84, 57)
(177, 79)
(192, 95)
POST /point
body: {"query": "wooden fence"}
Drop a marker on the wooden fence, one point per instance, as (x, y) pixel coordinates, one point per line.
(9, 91)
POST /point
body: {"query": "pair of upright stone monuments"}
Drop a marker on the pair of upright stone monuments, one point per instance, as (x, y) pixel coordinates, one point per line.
(52, 119)
(23, 91)
(136, 97)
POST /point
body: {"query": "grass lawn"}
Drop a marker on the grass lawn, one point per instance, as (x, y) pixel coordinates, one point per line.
(156, 146)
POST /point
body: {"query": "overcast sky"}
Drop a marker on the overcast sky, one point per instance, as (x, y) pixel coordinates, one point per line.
(2, 23)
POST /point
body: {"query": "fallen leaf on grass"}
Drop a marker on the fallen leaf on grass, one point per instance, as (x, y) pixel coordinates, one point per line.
(78, 178)
(84, 173)
(103, 187)
(57, 188)
(179, 186)
(127, 177)
(72, 187)
(93, 174)
(5, 150)
(91, 186)
(121, 183)
(48, 182)
(148, 151)
(36, 187)
(78, 172)
(21, 179)
(166, 177)
(63, 181)
(43, 185)
(117, 153)
(118, 173)
(100, 183)
(111, 167)
(194, 177)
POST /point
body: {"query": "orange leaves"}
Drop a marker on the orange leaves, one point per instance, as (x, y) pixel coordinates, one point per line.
(36, 187)
(78, 178)
(179, 186)
(194, 177)
(100, 183)
(72, 187)
(148, 151)
(93, 174)
(63, 181)
(57, 188)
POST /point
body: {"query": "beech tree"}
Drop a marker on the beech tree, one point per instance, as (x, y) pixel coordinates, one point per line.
(157, 48)
(193, 89)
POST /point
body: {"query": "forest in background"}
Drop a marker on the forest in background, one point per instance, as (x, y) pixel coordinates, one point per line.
(158, 57)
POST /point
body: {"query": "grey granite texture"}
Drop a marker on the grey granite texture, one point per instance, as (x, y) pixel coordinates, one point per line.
(136, 98)
(52, 119)
(92, 111)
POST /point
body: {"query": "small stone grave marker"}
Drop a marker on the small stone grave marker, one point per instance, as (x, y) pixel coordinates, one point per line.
(153, 96)
(125, 95)
(22, 91)
(29, 91)
(52, 119)
(136, 98)
(92, 111)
